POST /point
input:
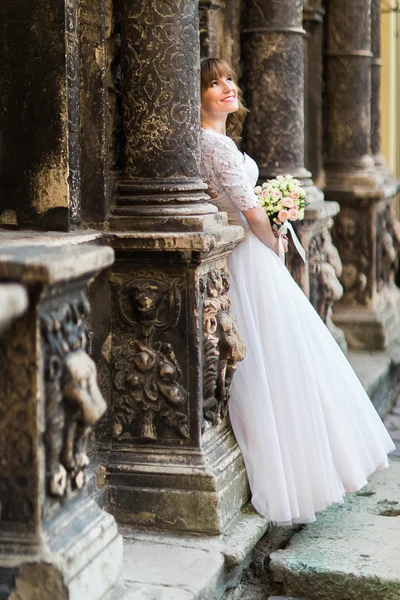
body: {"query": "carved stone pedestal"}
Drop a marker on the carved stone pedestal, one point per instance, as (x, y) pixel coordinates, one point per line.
(174, 462)
(366, 233)
(55, 543)
(318, 278)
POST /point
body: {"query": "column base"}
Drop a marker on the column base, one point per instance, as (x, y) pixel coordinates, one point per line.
(80, 557)
(360, 177)
(368, 328)
(172, 218)
(196, 490)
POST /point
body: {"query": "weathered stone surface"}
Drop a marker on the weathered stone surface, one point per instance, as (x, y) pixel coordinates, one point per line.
(210, 27)
(39, 149)
(379, 372)
(174, 566)
(161, 120)
(163, 435)
(351, 551)
(313, 15)
(348, 89)
(40, 264)
(366, 235)
(274, 87)
(99, 80)
(52, 538)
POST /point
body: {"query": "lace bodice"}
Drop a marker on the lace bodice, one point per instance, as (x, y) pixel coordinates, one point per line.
(229, 174)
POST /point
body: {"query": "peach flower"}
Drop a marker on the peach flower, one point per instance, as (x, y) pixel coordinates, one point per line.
(288, 202)
(295, 195)
(282, 215)
(293, 213)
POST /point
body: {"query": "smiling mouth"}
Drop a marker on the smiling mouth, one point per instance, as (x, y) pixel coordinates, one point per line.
(229, 99)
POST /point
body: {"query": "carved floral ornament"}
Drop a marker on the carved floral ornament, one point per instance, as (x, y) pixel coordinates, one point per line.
(73, 399)
(388, 246)
(223, 346)
(150, 400)
(352, 236)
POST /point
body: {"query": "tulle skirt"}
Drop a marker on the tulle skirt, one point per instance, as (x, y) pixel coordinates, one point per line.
(307, 430)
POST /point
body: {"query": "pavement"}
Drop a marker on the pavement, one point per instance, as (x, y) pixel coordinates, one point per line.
(352, 551)
(164, 566)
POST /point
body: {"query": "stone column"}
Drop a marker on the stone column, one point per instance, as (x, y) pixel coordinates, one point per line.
(161, 187)
(210, 27)
(166, 356)
(361, 232)
(313, 15)
(40, 114)
(54, 541)
(274, 80)
(220, 30)
(273, 57)
(376, 66)
(349, 163)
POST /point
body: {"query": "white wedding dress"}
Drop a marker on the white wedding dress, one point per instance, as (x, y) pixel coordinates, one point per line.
(307, 430)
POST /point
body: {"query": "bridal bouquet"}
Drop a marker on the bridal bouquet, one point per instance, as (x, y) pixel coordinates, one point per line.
(284, 200)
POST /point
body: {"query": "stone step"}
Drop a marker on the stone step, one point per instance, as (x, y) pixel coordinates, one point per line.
(167, 566)
(379, 373)
(351, 552)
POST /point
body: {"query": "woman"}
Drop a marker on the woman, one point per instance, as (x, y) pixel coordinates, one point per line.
(307, 430)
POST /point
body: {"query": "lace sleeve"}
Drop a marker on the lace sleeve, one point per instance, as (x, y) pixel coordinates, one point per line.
(228, 166)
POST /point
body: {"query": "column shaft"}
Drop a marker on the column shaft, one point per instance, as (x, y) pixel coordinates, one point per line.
(348, 95)
(161, 117)
(273, 55)
(313, 24)
(376, 64)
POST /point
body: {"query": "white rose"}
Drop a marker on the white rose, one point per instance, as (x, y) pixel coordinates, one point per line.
(258, 189)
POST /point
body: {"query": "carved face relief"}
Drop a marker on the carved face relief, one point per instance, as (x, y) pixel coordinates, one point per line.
(146, 299)
(346, 228)
(80, 387)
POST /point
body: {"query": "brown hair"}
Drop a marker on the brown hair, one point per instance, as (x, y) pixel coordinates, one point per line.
(214, 68)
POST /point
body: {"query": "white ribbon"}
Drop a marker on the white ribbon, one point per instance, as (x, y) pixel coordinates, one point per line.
(287, 226)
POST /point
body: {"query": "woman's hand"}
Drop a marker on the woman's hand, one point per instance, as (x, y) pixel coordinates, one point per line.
(284, 238)
(285, 243)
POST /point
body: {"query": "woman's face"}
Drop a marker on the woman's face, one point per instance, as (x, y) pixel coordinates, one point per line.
(220, 99)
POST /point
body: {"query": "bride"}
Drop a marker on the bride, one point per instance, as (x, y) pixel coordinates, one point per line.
(307, 430)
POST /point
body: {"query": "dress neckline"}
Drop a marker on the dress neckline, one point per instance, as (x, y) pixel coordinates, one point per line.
(213, 131)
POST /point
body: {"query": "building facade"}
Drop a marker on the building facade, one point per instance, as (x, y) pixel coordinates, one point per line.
(99, 142)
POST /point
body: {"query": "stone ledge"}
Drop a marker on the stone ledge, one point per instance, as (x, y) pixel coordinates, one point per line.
(173, 567)
(352, 551)
(45, 265)
(169, 241)
(12, 238)
(378, 372)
